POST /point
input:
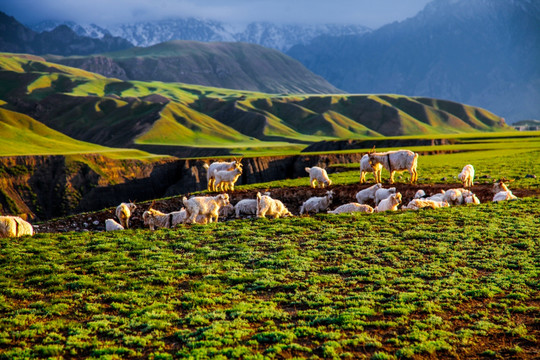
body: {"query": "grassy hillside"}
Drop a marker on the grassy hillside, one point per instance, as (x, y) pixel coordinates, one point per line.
(115, 113)
(233, 65)
(22, 135)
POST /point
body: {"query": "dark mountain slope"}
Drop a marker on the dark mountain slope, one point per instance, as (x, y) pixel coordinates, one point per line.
(479, 52)
(17, 38)
(227, 65)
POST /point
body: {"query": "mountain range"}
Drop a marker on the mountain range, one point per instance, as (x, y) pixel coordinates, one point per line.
(62, 40)
(232, 65)
(481, 52)
(276, 36)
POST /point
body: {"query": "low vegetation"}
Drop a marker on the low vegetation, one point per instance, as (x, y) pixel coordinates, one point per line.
(456, 282)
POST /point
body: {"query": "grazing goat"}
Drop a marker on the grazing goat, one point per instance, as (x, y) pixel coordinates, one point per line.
(218, 166)
(317, 204)
(156, 219)
(318, 176)
(351, 208)
(111, 225)
(416, 204)
(400, 160)
(14, 226)
(204, 205)
(382, 194)
(271, 207)
(226, 211)
(365, 168)
(502, 193)
(123, 213)
(391, 203)
(246, 206)
(225, 179)
(467, 175)
(367, 194)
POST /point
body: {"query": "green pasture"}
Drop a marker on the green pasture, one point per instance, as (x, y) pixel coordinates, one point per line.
(428, 284)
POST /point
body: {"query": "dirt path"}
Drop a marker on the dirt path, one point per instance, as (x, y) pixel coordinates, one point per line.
(291, 197)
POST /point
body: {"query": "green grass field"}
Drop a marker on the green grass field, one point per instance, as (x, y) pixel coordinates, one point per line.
(458, 282)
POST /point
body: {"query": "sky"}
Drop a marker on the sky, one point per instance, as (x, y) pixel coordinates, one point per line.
(371, 13)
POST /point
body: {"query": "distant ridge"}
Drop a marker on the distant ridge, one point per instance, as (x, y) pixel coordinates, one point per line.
(62, 40)
(229, 65)
(479, 52)
(276, 36)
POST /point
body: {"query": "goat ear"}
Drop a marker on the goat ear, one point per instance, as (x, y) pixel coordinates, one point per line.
(372, 150)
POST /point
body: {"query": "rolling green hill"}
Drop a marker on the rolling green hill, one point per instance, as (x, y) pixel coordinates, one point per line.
(232, 65)
(115, 113)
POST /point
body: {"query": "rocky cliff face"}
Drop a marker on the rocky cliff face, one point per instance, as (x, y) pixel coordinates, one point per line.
(44, 187)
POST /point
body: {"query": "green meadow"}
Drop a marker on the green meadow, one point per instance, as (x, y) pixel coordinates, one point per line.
(448, 283)
(459, 282)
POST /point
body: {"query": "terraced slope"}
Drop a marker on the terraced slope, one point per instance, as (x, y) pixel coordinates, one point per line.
(115, 113)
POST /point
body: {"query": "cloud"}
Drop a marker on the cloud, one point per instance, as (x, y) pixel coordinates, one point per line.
(103, 12)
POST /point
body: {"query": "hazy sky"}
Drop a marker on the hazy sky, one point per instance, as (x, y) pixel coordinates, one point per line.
(372, 13)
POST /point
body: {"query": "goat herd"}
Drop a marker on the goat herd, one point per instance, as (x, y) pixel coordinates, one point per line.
(222, 176)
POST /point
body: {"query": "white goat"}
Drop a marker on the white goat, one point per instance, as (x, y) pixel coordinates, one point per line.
(271, 207)
(400, 160)
(437, 197)
(502, 193)
(204, 205)
(416, 204)
(111, 225)
(367, 194)
(382, 194)
(471, 199)
(317, 204)
(14, 226)
(351, 207)
(365, 168)
(218, 166)
(123, 213)
(420, 194)
(156, 219)
(467, 175)
(318, 177)
(246, 206)
(391, 203)
(225, 179)
(453, 196)
(226, 211)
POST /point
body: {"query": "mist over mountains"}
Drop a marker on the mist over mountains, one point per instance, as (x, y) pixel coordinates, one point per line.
(276, 36)
(481, 52)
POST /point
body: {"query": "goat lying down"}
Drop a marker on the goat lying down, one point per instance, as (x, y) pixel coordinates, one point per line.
(351, 208)
(14, 226)
(271, 207)
(391, 203)
(112, 225)
(317, 204)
